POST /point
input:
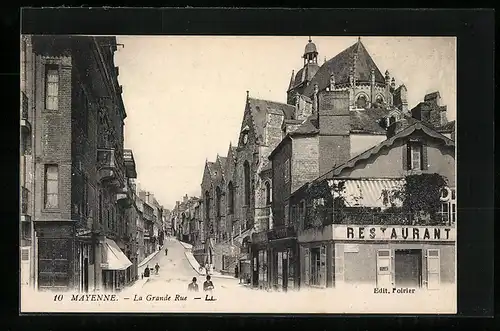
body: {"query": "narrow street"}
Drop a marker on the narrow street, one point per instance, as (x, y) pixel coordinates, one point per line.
(176, 272)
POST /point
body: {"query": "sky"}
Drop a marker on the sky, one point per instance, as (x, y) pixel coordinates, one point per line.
(185, 95)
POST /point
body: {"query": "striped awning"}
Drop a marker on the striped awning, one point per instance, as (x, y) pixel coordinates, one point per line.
(114, 259)
(368, 192)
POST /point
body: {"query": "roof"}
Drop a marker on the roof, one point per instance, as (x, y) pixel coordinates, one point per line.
(309, 126)
(222, 161)
(388, 143)
(432, 96)
(211, 167)
(446, 128)
(367, 120)
(260, 108)
(341, 65)
(306, 74)
(310, 48)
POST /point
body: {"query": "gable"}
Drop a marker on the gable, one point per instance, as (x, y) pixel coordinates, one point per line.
(387, 158)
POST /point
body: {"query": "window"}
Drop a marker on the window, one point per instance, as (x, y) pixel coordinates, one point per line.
(415, 156)
(218, 195)
(286, 171)
(267, 187)
(230, 200)
(286, 213)
(361, 102)
(246, 170)
(379, 100)
(315, 266)
(51, 186)
(52, 87)
(445, 212)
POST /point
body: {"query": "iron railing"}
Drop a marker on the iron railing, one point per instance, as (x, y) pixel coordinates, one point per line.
(386, 218)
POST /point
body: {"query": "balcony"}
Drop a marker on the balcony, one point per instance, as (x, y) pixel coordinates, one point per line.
(25, 124)
(25, 193)
(281, 232)
(125, 198)
(110, 171)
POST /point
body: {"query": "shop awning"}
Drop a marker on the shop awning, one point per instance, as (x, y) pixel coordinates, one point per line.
(369, 192)
(114, 259)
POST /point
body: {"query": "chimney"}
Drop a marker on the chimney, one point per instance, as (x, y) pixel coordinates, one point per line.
(334, 129)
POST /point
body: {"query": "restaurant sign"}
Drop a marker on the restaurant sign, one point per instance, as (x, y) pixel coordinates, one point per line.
(394, 233)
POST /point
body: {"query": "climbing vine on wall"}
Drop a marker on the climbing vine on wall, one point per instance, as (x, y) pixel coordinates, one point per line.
(321, 203)
(420, 196)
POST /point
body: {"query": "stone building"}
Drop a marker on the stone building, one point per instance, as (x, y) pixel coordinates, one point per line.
(340, 109)
(77, 169)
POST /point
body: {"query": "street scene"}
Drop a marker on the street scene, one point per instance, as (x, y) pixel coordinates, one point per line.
(285, 169)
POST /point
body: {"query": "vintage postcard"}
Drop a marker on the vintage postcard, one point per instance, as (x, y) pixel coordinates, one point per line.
(238, 174)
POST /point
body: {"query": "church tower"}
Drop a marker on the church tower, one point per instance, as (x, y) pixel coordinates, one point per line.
(305, 75)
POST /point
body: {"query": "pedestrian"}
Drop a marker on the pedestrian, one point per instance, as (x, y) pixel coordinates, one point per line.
(208, 285)
(166, 251)
(146, 271)
(157, 267)
(236, 271)
(193, 287)
(207, 269)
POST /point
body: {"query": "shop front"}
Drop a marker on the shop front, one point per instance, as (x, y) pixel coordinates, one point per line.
(114, 266)
(379, 256)
(260, 260)
(283, 258)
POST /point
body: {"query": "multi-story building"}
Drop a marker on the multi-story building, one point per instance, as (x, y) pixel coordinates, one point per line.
(344, 108)
(149, 223)
(76, 169)
(385, 218)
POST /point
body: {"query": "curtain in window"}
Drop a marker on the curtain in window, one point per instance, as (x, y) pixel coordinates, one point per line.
(52, 89)
(51, 186)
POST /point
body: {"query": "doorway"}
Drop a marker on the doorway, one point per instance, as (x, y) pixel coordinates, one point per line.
(86, 275)
(408, 267)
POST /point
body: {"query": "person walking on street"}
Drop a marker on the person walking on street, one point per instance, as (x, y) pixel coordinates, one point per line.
(157, 268)
(208, 286)
(166, 251)
(146, 271)
(193, 287)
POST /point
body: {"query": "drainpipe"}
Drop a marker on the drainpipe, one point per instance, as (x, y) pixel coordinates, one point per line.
(32, 97)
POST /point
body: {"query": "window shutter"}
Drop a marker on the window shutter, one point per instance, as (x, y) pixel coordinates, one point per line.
(322, 268)
(425, 160)
(406, 149)
(384, 268)
(433, 269)
(25, 265)
(307, 266)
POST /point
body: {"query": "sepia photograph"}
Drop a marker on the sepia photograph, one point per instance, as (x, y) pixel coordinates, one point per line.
(238, 174)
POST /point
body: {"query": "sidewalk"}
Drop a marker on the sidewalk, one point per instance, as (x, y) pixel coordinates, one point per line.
(147, 259)
(196, 265)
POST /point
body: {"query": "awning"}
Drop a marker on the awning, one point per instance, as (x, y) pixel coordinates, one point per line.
(114, 259)
(368, 192)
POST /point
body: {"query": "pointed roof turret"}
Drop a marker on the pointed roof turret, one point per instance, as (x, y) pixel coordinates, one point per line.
(292, 79)
(354, 60)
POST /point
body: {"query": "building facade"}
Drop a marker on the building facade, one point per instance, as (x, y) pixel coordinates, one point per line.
(386, 218)
(75, 169)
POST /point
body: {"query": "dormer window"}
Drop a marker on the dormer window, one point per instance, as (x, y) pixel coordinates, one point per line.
(415, 156)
